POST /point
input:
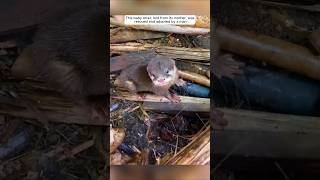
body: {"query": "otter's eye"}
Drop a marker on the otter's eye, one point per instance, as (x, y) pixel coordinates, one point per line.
(167, 71)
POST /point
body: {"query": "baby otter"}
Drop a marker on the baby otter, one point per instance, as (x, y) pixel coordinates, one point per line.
(156, 75)
(69, 54)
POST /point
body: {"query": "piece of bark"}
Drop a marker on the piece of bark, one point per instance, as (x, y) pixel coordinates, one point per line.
(192, 54)
(197, 152)
(270, 50)
(197, 78)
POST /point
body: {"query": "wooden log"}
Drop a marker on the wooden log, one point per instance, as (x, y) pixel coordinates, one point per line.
(193, 54)
(54, 106)
(193, 67)
(194, 77)
(268, 135)
(159, 103)
(270, 50)
(245, 120)
(189, 107)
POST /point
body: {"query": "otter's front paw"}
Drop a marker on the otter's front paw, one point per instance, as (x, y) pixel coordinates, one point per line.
(174, 98)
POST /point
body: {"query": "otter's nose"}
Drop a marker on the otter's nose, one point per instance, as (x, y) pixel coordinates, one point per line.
(161, 80)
